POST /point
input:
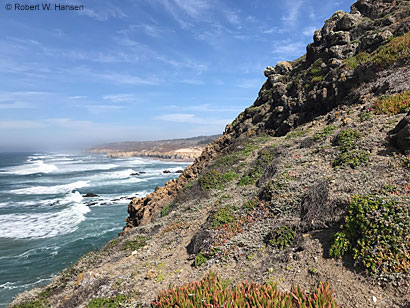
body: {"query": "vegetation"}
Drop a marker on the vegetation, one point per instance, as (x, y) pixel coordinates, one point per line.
(297, 133)
(135, 244)
(222, 216)
(211, 180)
(397, 48)
(282, 237)
(322, 135)
(233, 158)
(113, 302)
(405, 162)
(392, 105)
(265, 157)
(41, 302)
(346, 140)
(215, 180)
(166, 209)
(200, 259)
(316, 71)
(213, 292)
(377, 233)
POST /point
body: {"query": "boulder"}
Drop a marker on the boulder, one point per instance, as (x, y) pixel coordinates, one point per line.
(90, 195)
(166, 171)
(400, 135)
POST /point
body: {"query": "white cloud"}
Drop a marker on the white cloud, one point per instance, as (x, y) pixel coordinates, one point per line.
(287, 49)
(20, 124)
(308, 31)
(15, 105)
(189, 118)
(129, 79)
(103, 14)
(78, 97)
(249, 83)
(120, 98)
(292, 16)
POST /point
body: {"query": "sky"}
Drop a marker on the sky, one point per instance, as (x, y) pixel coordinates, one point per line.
(122, 70)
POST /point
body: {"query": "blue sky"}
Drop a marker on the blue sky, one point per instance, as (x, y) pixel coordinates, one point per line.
(143, 69)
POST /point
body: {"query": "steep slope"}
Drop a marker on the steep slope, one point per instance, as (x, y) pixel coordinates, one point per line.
(311, 183)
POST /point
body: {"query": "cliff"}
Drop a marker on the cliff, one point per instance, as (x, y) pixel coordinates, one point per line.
(176, 149)
(310, 184)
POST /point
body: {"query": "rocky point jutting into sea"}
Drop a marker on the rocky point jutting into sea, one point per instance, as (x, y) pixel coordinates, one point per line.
(310, 184)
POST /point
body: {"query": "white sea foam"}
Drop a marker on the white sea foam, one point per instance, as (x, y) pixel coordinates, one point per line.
(45, 225)
(18, 285)
(35, 167)
(69, 168)
(49, 190)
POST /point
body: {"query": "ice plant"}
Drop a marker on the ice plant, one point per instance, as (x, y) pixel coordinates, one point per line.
(210, 292)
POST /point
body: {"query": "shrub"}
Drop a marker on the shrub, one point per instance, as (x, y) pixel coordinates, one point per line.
(377, 232)
(282, 237)
(32, 304)
(322, 135)
(352, 159)
(200, 260)
(211, 180)
(265, 157)
(166, 209)
(346, 140)
(392, 105)
(229, 176)
(297, 133)
(395, 49)
(135, 244)
(213, 292)
(222, 216)
(113, 302)
(405, 162)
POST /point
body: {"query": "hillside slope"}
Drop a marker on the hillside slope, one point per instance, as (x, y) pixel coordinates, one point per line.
(309, 184)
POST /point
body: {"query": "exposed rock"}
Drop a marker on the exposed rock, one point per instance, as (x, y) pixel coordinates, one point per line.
(90, 195)
(166, 171)
(401, 135)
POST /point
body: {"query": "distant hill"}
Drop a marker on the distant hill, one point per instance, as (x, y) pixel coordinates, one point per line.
(177, 149)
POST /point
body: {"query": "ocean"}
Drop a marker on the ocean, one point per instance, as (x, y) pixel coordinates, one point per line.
(46, 223)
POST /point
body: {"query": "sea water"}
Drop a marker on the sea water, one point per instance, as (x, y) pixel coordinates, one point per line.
(46, 223)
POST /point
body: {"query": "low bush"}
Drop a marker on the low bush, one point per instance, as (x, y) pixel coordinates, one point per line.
(397, 48)
(166, 209)
(135, 244)
(392, 105)
(282, 237)
(222, 216)
(377, 233)
(322, 135)
(263, 160)
(213, 292)
(352, 159)
(346, 140)
(114, 302)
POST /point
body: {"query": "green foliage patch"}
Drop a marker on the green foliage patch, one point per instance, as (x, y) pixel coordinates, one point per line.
(282, 237)
(392, 105)
(397, 48)
(377, 233)
(222, 216)
(200, 259)
(323, 134)
(265, 157)
(349, 156)
(113, 302)
(166, 209)
(135, 244)
(297, 134)
(214, 293)
(352, 159)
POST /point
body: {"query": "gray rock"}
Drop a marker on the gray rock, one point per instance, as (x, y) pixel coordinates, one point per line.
(401, 135)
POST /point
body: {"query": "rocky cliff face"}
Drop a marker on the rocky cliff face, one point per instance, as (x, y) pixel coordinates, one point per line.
(333, 72)
(310, 184)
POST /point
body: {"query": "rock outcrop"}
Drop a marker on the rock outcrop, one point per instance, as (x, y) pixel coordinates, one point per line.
(401, 135)
(298, 91)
